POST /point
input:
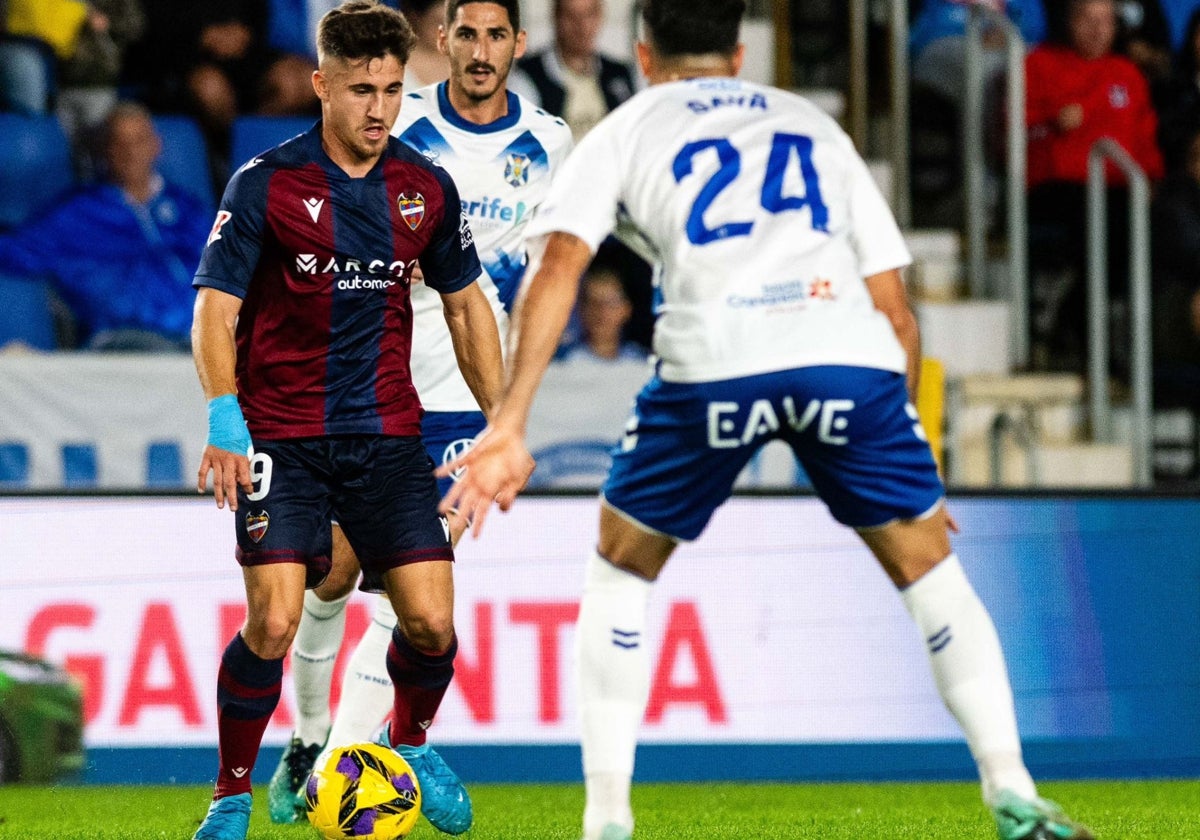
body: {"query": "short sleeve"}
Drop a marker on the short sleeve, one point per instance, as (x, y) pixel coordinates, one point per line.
(591, 172)
(450, 262)
(231, 252)
(876, 237)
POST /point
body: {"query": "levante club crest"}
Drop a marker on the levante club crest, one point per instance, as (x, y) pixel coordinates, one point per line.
(412, 209)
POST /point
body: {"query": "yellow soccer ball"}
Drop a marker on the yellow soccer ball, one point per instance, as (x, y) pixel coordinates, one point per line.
(364, 792)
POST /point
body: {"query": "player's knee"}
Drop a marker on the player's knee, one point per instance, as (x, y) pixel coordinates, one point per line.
(428, 631)
(270, 635)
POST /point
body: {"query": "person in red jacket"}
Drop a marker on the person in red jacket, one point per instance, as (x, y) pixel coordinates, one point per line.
(1078, 92)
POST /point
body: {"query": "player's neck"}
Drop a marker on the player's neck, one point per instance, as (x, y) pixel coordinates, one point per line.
(691, 67)
(345, 160)
(478, 111)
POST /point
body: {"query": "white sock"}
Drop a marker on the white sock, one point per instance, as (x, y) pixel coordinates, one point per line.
(366, 687)
(968, 667)
(614, 686)
(314, 653)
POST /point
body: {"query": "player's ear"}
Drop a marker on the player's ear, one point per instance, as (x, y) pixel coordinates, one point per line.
(645, 57)
(320, 84)
(520, 42)
(443, 44)
(739, 54)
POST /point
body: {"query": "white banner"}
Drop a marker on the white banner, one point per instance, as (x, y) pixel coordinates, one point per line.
(776, 627)
(134, 421)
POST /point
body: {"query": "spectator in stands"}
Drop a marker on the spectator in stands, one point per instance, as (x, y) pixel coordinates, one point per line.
(427, 64)
(572, 79)
(1176, 278)
(36, 33)
(1078, 92)
(1178, 102)
(214, 59)
(87, 83)
(121, 252)
(937, 41)
(604, 312)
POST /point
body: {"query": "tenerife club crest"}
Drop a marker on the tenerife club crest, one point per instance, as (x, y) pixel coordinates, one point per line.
(516, 169)
(412, 209)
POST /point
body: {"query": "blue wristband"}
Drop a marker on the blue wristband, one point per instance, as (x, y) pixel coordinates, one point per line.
(226, 426)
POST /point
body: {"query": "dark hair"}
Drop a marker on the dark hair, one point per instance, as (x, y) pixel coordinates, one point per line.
(513, 7)
(693, 27)
(360, 29)
(419, 7)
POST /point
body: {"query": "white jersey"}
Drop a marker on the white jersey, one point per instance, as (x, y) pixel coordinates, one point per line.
(762, 215)
(502, 171)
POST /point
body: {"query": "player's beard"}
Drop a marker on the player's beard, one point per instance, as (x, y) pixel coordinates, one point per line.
(482, 93)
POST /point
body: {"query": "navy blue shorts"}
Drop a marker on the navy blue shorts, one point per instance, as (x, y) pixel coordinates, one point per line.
(380, 490)
(852, 428)
(447, 435)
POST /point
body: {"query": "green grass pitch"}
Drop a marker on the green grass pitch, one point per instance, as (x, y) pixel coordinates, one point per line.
(1142, 810)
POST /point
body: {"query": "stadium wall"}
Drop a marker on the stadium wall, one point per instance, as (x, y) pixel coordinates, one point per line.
(780, 649)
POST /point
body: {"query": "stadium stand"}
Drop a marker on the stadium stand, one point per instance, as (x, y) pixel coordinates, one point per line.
(252, 134)
(28, 76)
(35, 166)
(184, 161)
(25, 317)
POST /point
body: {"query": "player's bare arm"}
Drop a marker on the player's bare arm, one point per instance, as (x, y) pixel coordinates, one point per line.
(215, 354)
(500, 463)
(890, 298)
(476, 344)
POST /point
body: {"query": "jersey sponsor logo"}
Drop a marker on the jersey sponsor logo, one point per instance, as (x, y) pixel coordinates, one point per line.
(729, 427)
(821, 289)
(516, 169)
(412, 209)
(223, 216)
(310, 264)
(456, 449)
(313, 206)
(370, 284)
(465, 237)
(495, 209)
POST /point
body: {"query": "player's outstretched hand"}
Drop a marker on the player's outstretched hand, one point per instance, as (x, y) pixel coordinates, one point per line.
(497, 468)
(229, 471)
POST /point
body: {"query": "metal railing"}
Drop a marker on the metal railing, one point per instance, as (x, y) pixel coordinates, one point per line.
(858, 115)
(1099, 399)
(975, 172)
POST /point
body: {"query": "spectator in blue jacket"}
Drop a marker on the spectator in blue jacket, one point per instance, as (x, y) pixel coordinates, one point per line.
(937, 41)
(121, 253)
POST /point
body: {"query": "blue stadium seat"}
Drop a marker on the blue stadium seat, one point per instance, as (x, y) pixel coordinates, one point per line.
(14, 465)
(35, 166)
(79, 467)
(164, 464)
(28, 75)
(26, 314)
(184, 160)
(253, 134)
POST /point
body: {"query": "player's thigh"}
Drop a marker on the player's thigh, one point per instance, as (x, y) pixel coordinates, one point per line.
(629, 546)
(862, 445)
(422, 597)
(386, 503)
(285, 518)
(666, 474)
(274, 602)
(344, 570)
(908, 548)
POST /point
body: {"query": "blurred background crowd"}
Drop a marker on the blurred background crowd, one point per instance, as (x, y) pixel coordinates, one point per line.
(121, 120)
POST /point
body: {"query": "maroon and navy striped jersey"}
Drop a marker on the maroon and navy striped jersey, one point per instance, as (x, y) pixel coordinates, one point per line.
(322, 262)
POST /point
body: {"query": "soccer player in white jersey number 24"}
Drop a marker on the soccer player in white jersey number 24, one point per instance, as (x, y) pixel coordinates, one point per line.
(501, 152)
(783, 316)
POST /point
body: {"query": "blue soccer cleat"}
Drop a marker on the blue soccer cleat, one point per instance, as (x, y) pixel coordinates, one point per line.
(444, 800)
(1034, 819)
(227, 819)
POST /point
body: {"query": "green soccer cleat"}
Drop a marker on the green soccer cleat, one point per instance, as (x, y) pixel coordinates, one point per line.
(227, 819)
(285, 794)
(444, 800)
(1034, 819)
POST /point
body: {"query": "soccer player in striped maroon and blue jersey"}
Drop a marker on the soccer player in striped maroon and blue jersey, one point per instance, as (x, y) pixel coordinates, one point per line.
(302, 335)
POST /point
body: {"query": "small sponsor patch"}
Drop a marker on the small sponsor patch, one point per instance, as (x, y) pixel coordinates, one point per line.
(256, 525)
(412, 209)
(223, 216)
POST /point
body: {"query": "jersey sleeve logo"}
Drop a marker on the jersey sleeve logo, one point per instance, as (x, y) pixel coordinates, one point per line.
(516, 169)
(412, 209)
(223, 216)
